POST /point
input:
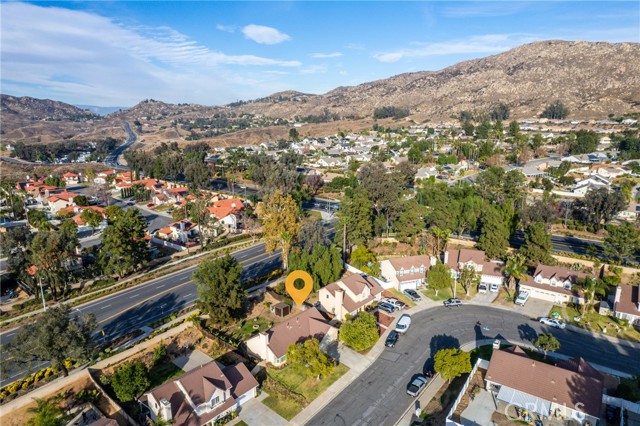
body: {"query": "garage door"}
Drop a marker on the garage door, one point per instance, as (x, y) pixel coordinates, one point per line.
(408, 285)
(244, 398)
(542, 295)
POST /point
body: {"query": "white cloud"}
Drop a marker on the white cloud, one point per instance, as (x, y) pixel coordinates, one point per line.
(326, 55)
(264, 35)
(314, 69)
(81, 57)
(227, 28)
(489, 43)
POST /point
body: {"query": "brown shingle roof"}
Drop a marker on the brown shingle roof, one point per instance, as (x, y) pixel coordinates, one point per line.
(629, 299)
(530, 282)
(356, 283)
(410, 261)
(570, 382)
(463, 256)
(559, 273)
(296, 329)
(200, 383)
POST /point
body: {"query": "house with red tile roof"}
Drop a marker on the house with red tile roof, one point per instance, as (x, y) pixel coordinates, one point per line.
(227, 212)
(407, 272)
(272, 345)
(554, 284)
(177, 194)
(201, 396)
(626, 303)
(60, 200)
(571, 388)
(102, 177)
(181, 232)
(71, 178)
(350, 295)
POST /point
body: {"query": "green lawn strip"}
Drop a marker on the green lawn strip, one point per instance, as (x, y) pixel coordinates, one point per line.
(245, 329)
(241, 423)
(443, 294)
(404, 299)
(163, 371)
(295, 379)
(599, 323)
(285, 408)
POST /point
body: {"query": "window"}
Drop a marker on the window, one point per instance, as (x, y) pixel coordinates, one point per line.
(422, 269)
(401, 272)
(215, 401)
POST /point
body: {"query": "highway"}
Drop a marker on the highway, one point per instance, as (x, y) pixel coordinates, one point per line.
(378, 396)
(112, 159)
(119, 313)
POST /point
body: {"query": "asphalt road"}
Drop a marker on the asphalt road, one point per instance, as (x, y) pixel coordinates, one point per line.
(122, 312)
(378, 396)
(112, 159)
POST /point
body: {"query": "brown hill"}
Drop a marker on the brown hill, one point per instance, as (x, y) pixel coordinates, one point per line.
(592, 79)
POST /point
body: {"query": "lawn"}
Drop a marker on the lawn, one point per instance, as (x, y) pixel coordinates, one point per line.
(241, 423)
(163, 371)
(247, 329)
(445, 293)
(295, 379)
(597, 323)
(163, 207)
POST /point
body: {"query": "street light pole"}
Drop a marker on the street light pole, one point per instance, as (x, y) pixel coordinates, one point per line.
(44, 305)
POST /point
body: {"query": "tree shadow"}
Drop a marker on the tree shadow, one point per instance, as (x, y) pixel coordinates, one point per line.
(439, 341)
(527, 333)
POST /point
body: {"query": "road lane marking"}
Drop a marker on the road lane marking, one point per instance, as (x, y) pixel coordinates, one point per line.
(187, 295)
(135, 295)
(160, 286)
(105, 307)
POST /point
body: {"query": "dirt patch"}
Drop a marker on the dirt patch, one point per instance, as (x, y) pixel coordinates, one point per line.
(477, 383)
(439, 406)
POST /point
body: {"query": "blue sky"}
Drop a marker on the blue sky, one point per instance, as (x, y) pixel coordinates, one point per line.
(116, 53)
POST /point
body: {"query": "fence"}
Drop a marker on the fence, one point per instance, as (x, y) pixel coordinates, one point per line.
(166, 243)
(633, 407)
(464, 388)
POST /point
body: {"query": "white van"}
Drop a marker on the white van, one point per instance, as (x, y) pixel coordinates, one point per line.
(522, 298)
(403, 323)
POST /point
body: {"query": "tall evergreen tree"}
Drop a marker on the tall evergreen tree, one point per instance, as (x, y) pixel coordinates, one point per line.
(219, 289)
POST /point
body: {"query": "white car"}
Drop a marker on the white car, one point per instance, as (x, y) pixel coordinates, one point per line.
(482, 288)
(394, 302)
(522, 298)
(494, 287)
(553, 323)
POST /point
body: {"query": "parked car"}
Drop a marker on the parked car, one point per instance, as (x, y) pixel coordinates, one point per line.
(403, 323)
(150, 205)
(392, 338)
(395, 302)
(169, 211)
(494, 288)
(131, 203)
(482, 288)
(417, 385)
(413, 295)
(386, 307)
(450, 303)
(522, 298)
(553, 322)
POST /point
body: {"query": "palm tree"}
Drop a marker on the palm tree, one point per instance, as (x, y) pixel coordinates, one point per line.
(441, 236)
(515, 270)
(590, 287)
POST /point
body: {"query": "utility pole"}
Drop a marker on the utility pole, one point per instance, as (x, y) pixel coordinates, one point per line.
(344, 243)
(44, 304)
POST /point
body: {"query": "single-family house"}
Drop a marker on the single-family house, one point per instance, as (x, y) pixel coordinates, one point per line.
(177, 194)
(611, 172)
(572, 388)
(490, 272)
(426, 173)
(102, 177)
(554, 284)
(406, 272)
(349, 295)
(592, 182)
(60, 200)
(330, 162)
(626, 303)
(201, 396)
(272, 345)
(227, 212)
(631, 213)
(71, 178)
(182, 231)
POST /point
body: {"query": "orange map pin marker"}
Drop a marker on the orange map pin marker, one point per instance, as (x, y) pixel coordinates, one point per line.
(299, 295)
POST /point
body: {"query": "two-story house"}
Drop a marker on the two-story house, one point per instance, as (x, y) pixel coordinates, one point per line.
(272, 345)
(349, 295)
(182, 231)
(626, 303)
(554, 284)
(406, 272)
(102, 177)
(61, 200)
(227, 212)
(490, 272)
(202, 395)
(71, 178)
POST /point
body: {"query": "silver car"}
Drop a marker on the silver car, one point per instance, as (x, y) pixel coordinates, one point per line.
(553, 323)
(417, 385)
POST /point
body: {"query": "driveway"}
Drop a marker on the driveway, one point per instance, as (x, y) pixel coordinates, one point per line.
(255, 413)
(484, 298)
(534, 308)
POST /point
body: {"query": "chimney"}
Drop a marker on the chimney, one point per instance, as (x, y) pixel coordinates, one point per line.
(338, 303)
(617, 296)
(446, 257)
(182, 226)
(165, 410)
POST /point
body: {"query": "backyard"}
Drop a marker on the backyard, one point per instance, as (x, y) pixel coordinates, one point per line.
(597, 323)
(295, 380)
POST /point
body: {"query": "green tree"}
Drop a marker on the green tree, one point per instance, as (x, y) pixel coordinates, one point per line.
(546, 343)
(81, 200)
(113, 212)
(356, 212)
(515, 270)
(500, 112)
(451, 363)
(197, 173)
(50, 253)
(600, 205)
(621, 241)
(293, 134)
(537, 244)
(365, 260)
(410, 221)
(586, 141)
(494, 234)
(360, 332)
(281, 222)
(468, 128)
(56, 181)
(439, 277)
(308, 357)
(468, 278)
(323, 263)
(54, 336)
(124, 248)
(91, 217)
(441, 236)
(220, 289)
(590, 287)
(514, 128)
(383, 189)
(130, 381)
(38, 219)
(556, 111)
(47, 412)
(311, 234)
